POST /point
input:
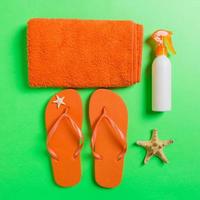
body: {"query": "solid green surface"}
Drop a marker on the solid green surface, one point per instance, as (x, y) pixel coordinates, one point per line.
(25, 171)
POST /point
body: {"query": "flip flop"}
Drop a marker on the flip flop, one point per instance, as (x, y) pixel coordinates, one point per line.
(63, 119)
(109, 120)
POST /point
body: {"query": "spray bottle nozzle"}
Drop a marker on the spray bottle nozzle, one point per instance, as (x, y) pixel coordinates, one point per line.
(163, 42)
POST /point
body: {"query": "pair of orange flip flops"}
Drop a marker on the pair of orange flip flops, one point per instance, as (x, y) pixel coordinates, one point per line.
(108, 119)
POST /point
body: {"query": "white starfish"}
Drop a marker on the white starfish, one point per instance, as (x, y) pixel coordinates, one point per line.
(59, 101)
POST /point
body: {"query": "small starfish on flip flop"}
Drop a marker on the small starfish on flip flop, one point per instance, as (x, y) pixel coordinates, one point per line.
(155, 147)
(59, 101)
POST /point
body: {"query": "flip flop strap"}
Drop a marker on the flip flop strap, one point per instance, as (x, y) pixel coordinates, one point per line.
(117, 130)
(53, 130)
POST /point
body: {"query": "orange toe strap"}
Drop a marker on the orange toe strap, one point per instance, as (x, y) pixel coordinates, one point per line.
(78, 132)
(120, 136)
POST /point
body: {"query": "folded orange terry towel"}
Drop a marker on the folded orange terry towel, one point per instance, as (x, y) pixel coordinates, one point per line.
(83, 53)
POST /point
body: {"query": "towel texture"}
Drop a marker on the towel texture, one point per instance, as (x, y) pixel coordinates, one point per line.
(83, 53)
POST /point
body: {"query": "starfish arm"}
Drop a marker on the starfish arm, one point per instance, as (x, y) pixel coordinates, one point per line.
(154, 135)
(142, 143)
(166, 142)
(147, 157)
(162, 156)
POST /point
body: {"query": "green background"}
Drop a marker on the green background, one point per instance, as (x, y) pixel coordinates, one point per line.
(25, 171)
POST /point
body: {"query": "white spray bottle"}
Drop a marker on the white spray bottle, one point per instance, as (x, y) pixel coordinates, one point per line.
(161, 71)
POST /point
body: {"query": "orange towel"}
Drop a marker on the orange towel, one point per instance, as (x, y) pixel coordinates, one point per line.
(83, 53)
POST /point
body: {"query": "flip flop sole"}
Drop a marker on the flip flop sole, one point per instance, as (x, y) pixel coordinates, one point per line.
(108, 171)
(66, 170)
